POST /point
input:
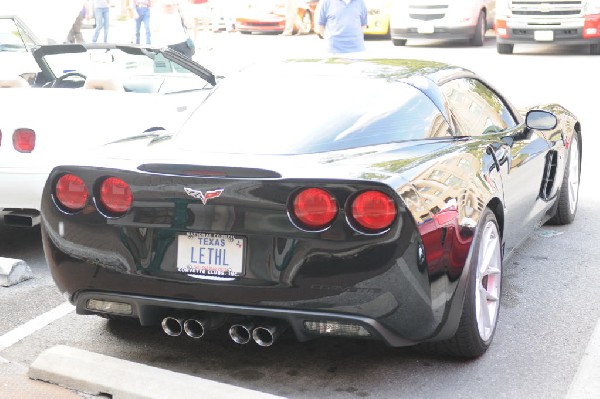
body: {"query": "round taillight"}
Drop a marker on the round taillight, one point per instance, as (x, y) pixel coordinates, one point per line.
(115, 196)
(24, 140)
(71, 193)
(373, 211)
(314, 208)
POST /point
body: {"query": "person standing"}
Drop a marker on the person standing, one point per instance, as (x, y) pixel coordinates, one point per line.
(291, 19)
(75, 35)
(101, 9)
(342, 24)
(141, 14)
(170, 28)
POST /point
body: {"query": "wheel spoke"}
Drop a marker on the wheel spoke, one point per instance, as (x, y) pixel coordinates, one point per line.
(484, 316)
(489, 270)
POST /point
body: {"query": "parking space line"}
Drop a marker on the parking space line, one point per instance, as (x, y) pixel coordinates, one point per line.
(33, 325)
(586, 383)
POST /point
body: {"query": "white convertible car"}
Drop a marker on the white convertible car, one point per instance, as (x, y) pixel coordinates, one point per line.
(82, 97)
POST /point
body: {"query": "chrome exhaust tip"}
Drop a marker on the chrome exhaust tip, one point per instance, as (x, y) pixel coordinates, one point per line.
(195, 328)
(172, 326)
(241, 333)
(266, 335)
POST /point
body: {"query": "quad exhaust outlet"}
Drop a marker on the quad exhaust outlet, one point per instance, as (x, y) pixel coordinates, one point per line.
(241, 333)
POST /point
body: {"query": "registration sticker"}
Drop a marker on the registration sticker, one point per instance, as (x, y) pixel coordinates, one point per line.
(213, 255)
(543, 35)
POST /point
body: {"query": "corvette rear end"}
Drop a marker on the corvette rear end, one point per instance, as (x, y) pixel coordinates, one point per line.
(203, 245)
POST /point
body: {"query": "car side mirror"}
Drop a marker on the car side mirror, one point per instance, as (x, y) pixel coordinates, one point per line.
(540, 120)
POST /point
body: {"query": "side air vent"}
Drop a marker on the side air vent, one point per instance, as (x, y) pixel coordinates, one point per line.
(209, 171)
(549, 175)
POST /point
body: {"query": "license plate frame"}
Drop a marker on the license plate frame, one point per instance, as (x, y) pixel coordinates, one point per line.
(209, 255)
(543, 35)
(425, 28)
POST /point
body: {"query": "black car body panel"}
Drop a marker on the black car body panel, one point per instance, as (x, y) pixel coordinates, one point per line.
(405, 284)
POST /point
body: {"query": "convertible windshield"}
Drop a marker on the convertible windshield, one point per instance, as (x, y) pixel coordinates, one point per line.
(140, 70)
(309, 114)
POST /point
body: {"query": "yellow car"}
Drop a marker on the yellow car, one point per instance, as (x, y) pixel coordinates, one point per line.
(378, 17)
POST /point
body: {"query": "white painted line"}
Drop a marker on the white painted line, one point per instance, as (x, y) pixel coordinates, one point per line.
(94, 373)
(33, 325)
(586, 383)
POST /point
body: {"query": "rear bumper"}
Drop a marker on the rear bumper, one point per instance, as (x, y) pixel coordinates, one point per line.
(439, 33)
(260, 26)
(562, 31)
(150, 311)
(398, 302)
(21, 187)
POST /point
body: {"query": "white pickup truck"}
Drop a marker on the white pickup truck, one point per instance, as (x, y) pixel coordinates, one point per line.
(574, 22)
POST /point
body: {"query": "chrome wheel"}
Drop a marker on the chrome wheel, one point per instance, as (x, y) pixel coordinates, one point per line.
(488, 281)
(573, 182)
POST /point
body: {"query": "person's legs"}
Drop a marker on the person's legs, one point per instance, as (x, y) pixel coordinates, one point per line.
(290, 18)
(138, 25)
(106, 22)
(99, 23)
(147, 26)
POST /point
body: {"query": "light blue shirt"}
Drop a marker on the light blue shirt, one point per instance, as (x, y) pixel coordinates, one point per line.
(343, 24)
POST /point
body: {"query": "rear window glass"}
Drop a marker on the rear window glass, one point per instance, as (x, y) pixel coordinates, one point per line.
(302, 114)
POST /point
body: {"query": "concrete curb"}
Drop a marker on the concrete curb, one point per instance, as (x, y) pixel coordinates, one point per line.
(94, 373)
(13, 271)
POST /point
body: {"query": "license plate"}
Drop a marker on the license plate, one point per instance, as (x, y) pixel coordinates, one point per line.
(543, 35)
(211, 255)
(425, 28)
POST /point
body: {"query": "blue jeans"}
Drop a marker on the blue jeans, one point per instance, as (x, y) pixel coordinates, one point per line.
(143, 16)
(101, 15)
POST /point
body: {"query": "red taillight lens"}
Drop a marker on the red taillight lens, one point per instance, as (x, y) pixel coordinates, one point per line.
(591, 27)
(115, 196)
(24, 140)
(71, 193)
(501, 28)
(314, 208)
(373, 211)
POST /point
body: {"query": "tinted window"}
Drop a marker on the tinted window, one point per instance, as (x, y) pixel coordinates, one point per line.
(308, 114)
(475, 108)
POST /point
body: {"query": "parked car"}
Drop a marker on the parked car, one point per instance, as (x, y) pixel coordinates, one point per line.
(385, 215)
(83, 96)
(575, 23)
(378, 19)
(268, 16)
(441, 19)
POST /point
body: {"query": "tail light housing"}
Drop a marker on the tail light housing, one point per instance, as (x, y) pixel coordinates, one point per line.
(372, 211)
(591, 26)
(115, 196)
(70, 193)
(24, 140)
(501, 28)
(313, 208)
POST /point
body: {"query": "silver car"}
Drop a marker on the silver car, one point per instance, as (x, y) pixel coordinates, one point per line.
(441, 19)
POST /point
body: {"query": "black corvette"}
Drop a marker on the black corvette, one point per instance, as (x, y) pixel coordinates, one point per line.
(372, 198)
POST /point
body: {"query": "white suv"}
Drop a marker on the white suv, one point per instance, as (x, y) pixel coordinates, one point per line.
(441, 19)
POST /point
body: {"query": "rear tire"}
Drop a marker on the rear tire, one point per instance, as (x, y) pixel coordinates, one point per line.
(399, 42)
(482, 296)
(505, 48)
(479, 36)
(568, 197)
